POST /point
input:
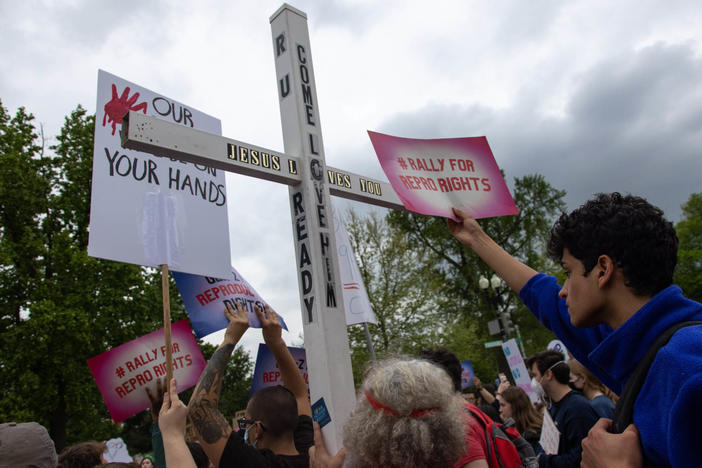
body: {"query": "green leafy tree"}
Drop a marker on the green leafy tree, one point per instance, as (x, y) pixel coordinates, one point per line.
(688, 274)
(26, 184)
(62, 306)
(59, 306)
(403, 301)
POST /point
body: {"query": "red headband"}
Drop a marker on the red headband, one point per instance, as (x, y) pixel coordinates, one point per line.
(379, 406)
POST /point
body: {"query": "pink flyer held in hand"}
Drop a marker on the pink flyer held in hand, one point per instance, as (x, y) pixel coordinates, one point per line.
(123, 373)
(431, 176)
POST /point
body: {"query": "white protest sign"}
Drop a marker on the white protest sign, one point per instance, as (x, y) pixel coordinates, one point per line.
(356, 303)
(550, 436)
(116, 451)
(557, 345)
(518, 368)
(150, 210)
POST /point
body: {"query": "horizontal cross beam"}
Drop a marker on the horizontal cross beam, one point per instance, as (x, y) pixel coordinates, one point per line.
(162, 138)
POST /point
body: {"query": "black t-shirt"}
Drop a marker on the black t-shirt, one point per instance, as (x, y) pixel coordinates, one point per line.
(238, 453)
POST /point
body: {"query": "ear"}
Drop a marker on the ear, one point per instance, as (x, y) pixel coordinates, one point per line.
(259, 431)
(605, 270)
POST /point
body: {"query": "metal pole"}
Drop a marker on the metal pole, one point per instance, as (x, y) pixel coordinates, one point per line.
(520, 342)
(369, 341)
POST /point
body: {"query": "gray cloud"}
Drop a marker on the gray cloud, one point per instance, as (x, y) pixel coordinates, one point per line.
(357, 18)
(83, 24)
(624, 129)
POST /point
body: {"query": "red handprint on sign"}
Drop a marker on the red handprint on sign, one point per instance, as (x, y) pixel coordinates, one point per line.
(118, 107)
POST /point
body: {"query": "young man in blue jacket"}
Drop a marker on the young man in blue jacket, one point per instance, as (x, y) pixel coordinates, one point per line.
(618, 253)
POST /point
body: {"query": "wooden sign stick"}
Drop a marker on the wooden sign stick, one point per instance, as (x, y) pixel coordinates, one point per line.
(167, 322)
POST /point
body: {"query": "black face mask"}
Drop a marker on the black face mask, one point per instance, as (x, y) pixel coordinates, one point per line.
(574, 388)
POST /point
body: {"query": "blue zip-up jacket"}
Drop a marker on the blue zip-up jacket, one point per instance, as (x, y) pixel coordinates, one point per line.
(668, 410)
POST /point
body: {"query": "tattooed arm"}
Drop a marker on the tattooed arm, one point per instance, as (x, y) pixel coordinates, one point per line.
(289, 370)
(211, 426)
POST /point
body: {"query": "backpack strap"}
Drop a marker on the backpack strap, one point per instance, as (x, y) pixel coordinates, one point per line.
(624, 410)
(490, 444)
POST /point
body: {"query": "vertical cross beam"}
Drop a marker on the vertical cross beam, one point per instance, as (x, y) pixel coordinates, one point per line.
(324, 321)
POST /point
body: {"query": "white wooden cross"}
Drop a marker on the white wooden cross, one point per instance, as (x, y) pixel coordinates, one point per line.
(302, 167)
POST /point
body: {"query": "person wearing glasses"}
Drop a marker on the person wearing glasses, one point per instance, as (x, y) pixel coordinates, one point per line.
(277, 425)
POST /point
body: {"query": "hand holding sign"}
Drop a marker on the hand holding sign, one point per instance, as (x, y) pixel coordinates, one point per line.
(319, 457)
(464, 228)
(173, 413)
(270, 324)
(205, 297)
(172, 424)
(431, 176)
(238, 323)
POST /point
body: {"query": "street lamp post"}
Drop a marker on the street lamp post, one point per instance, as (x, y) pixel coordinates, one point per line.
(493, 297)
(508, 327)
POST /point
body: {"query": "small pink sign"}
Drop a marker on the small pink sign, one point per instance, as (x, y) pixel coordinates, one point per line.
(123, 373)
(431, 176)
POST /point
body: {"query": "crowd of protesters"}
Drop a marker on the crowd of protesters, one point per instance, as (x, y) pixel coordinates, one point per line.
(618, 254)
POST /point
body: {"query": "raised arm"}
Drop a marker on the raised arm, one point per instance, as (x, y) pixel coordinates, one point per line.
(156, 398)
(289, 370)
(211, 426)
(172, 424)
(468, 232)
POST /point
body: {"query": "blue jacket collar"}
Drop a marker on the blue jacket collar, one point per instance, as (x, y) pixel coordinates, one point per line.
(620, 351)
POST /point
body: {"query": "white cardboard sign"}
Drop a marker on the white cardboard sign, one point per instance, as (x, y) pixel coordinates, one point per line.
(550, 435)
(518, 368)
(116, 451)
(150, 210)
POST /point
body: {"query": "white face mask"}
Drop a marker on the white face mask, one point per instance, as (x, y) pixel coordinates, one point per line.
(538, 389)
(536, 385)
(246, 437)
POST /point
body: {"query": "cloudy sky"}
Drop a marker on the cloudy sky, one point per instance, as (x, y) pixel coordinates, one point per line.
(595, 95)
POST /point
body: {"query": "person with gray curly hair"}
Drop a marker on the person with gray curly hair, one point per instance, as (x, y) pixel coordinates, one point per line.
(407, 415)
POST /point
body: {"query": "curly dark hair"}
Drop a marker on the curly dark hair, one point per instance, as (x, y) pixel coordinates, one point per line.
(626, 228)
(447, 361)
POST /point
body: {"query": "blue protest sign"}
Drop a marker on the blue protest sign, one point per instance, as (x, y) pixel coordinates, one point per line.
(266, 372)
(205, 300)
(320, 413)
(467, 374)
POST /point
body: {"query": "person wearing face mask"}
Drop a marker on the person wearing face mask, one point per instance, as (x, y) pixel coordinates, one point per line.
(277, 425)
(571, 412)
(601, 398)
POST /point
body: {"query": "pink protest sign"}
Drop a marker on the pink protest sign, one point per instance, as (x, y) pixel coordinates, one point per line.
(123, 373)
(431, 176)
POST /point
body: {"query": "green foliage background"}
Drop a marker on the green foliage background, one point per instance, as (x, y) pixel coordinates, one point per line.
(59, 306)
